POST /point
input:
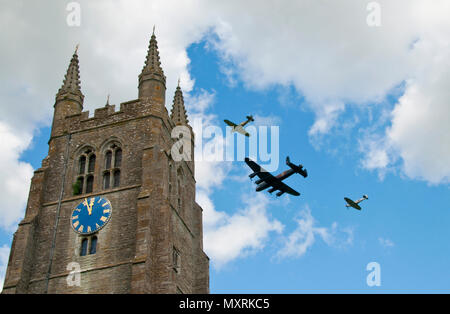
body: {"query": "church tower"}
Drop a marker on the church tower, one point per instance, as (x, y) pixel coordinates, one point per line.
(111, 210)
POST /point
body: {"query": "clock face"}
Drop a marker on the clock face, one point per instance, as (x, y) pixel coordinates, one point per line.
(91, 215)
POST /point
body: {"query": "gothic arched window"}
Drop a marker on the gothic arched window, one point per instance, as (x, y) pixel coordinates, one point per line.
(108, 159)
(93, 247)
(84, 182)
(106, 180)
(113, 162)
(116, 178)
(78, 186)
(91, 163)
(118, 158)
(180, 177)
(176, 260)
(82, 165)
(84, 245)
(88, 243)
(89, 184)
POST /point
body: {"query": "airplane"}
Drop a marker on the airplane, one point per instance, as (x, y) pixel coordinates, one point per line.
(267, 180)
(354, 204)
(240, 127)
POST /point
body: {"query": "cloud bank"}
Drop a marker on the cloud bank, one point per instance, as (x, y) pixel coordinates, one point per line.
(297, 243)
(324, 49)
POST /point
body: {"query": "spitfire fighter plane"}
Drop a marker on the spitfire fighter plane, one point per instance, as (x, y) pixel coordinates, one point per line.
(267, 180)
(240, 127)
(354, 204)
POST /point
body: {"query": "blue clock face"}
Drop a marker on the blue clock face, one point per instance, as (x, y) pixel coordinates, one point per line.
(91, 215)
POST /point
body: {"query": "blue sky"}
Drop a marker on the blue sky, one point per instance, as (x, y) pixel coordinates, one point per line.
(360, 118)
(412, 215)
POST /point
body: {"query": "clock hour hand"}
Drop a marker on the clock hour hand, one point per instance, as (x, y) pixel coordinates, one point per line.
(89, 206)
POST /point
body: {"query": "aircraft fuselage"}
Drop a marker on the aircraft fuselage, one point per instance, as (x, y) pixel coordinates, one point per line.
(264, 185)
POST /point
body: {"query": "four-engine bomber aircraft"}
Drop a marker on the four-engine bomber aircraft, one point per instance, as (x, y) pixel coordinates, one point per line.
(240, 127)
(267, 180)
(354, 204)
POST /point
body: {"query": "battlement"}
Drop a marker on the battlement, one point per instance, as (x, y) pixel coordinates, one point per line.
(107, 115)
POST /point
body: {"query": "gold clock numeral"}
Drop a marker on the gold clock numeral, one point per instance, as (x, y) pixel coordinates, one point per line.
(105, 211)
(103, 218)
(104, 204)
(97, 226)
(76, 223)
(89, 229)
(81, 228)
(74, 217)
(99, 200)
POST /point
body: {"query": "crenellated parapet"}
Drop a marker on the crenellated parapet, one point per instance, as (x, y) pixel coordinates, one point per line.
(107, 115)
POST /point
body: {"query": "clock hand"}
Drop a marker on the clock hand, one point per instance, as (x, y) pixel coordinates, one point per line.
(89, 208)
(91, 204)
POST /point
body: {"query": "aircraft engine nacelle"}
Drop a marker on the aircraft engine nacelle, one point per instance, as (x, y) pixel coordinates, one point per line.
(272, 190)
(259, 181)
(280, 193)
(252, 175)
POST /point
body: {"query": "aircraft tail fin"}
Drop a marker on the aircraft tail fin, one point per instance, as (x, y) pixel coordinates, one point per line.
(299, 169)
(250, 118)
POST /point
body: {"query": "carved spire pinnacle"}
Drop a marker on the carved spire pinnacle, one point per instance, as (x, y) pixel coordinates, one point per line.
(152, 81)
(71, 82)
(152, 63)
(178, 115)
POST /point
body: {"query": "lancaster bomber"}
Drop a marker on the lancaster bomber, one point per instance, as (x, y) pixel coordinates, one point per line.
(240, 127)
(267, 180)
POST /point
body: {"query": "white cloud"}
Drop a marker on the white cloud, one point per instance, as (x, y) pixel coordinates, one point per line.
(15, 177)
(419, 134)
(304, 236)
(266, 120)
(324, 49)
(231, 236)
(376, 155)
(4, 256)
(328, 52)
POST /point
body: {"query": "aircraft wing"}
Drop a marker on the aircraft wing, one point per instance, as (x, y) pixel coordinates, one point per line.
(260, 171)
(284, 188)
(230, 123)
(352, 203)
(270, 179)
(243, 132)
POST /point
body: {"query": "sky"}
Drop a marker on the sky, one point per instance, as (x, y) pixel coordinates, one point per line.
(356, 91)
